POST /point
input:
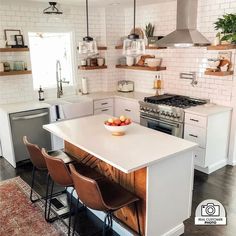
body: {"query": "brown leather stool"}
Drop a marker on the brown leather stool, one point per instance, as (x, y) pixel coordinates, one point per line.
(39, 163)
(59, 173)
(102, 195)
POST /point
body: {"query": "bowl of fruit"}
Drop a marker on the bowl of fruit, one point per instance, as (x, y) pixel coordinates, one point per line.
(118, 126)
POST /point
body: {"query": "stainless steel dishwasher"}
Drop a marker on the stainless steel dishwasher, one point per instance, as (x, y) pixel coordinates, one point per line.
(29, 123)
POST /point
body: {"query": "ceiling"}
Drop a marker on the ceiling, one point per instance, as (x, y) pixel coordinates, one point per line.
(100, 2)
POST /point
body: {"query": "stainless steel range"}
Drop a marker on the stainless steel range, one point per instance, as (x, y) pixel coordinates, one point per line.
(165, 113)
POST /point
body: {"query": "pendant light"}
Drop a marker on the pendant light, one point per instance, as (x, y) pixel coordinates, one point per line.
(133, 45)
(52, 9)
(88, 45)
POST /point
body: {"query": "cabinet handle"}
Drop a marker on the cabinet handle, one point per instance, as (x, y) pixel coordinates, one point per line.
(128, 110)
(194, 120)
(105, 109)
(192, 135)
(104, 103)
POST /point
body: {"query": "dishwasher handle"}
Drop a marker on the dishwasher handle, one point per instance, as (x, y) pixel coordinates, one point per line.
(30, 117)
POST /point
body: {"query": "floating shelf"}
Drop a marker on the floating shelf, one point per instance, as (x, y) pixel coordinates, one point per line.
(92, 67)
(158, 68)
(14, 49)
(147, 47)
(102, 48)
(22, 72)
(219, 73)
(222, 47)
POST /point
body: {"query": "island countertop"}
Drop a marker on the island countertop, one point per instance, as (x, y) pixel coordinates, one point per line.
(140, 147)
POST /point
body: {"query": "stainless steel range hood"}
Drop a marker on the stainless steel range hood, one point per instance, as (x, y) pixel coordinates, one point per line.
(186, 34)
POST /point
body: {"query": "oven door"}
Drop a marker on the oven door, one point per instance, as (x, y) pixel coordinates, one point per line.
(165, 126)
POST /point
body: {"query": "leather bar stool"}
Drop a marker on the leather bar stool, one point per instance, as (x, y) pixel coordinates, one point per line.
(58, 172)
(102, 195)
(39, 163)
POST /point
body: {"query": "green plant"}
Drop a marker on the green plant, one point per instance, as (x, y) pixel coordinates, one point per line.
(227, 25)
(149, 30)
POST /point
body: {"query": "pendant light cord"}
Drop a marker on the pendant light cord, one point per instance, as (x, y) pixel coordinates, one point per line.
(134, 15)
(87, 18)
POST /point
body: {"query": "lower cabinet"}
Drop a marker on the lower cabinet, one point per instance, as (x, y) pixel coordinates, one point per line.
(211, 133)
(127, 108)
(104, 106)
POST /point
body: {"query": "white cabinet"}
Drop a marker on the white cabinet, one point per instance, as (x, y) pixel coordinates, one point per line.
(127, 108)
(103, 106)
(212, 135)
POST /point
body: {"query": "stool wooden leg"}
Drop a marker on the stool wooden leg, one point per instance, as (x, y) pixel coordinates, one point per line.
(137, 215)
(32, 185)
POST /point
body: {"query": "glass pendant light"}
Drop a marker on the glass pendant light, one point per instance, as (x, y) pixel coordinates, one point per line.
(133, 45)
(88, 45)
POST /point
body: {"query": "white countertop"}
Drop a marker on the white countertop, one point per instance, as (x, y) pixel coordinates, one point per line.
(23, 106)
(140, 147)
(208, 109)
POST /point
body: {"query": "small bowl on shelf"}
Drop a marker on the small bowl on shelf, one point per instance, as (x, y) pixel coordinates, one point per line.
(153, 62)
(118, 126)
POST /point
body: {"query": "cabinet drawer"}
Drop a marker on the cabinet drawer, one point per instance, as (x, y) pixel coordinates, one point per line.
(199, 157)
(99, 104)
(108, 111)
(127, 108)
(195, 134)
(196, 120)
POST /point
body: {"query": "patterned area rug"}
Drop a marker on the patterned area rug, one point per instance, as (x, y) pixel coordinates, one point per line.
(18, 216)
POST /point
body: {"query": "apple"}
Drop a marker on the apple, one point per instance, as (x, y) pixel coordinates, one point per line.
(117, 122)
(127, 121)
(122, 118)
(110, 121)
(122, 124)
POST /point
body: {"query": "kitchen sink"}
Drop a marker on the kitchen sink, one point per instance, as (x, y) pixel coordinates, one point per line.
(68, 100)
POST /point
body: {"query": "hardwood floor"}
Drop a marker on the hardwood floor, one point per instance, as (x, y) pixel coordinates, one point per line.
(220, 185)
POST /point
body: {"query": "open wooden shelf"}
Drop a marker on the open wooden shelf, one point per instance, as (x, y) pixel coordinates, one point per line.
(158, 68)
(102, 48)
(14, 49)
(92, 67)
(20, 72)
(222, 47)
(219, 73)
(147, 47)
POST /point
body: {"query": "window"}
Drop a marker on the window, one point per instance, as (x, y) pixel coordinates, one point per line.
(46, 49)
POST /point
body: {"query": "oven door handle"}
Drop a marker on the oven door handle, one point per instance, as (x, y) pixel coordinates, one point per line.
(164, 122)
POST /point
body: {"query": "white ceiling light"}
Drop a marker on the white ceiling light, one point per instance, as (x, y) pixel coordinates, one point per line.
(133, 45)
(88, 45)
(52, 9)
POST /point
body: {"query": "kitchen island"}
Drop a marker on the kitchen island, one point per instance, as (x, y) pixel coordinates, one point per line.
(157, 167)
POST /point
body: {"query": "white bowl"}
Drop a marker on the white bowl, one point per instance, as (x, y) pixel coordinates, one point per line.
(213, 63)
(153, 62)
(117, 130)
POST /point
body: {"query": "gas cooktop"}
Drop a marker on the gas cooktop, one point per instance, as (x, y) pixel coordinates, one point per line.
(175, 101)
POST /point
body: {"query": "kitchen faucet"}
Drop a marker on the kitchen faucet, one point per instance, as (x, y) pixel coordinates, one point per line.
(59, 80)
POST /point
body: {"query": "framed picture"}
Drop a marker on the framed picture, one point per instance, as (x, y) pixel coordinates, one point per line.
(10, 36)
(19, 40)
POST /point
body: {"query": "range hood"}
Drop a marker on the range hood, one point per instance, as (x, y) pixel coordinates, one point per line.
(186, 34)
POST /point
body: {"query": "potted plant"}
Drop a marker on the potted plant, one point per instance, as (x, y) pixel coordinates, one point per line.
(227, 26)
(149, 31)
